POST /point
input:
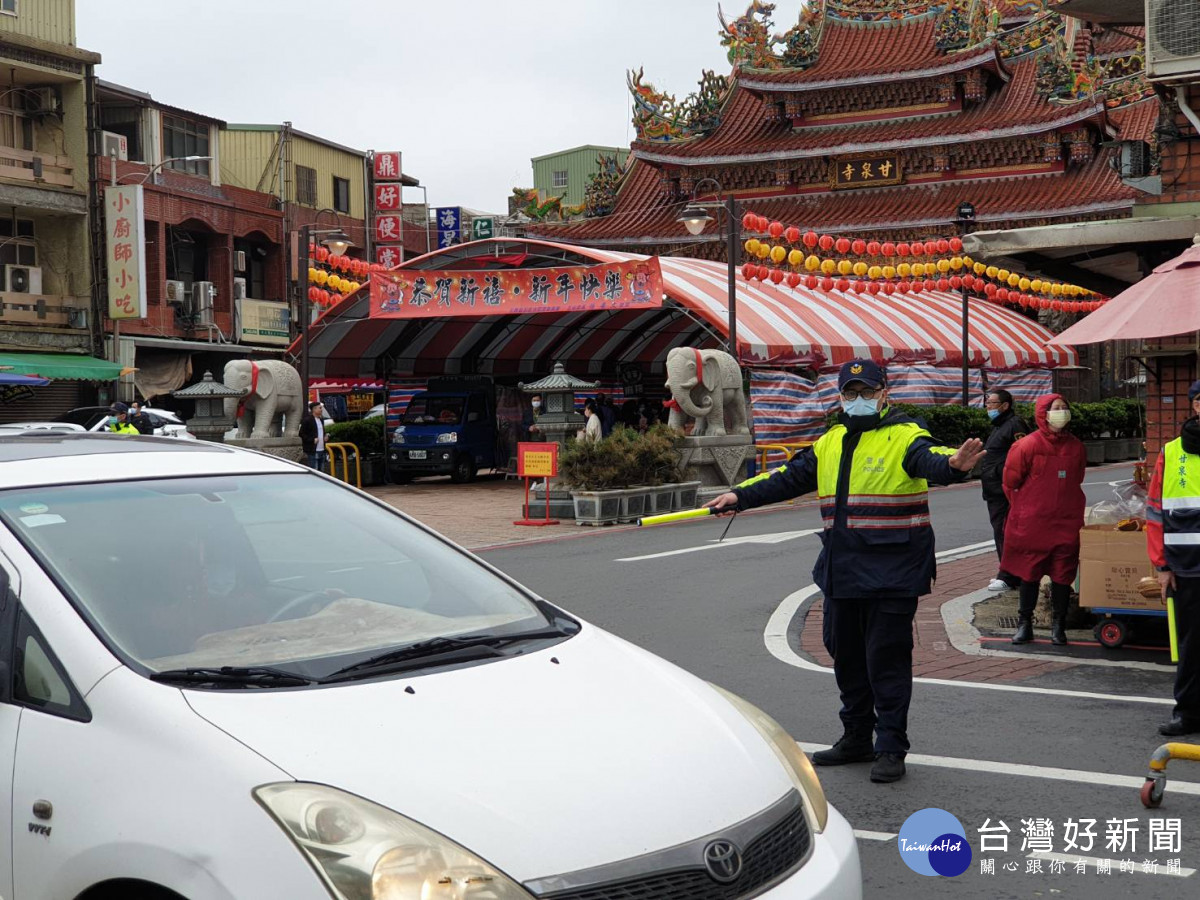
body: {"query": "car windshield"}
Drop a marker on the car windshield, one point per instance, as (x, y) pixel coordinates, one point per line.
(434, 411)
(283, 570)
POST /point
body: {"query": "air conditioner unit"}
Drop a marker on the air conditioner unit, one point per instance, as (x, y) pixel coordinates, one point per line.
(176, 293)
(239, 260)
(23, 279)
(239, 289)
(204, 295)
(1172, 40)
(115, 145)
(77, 317)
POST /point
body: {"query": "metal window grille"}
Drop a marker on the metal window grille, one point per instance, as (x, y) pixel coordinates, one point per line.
(306, 186)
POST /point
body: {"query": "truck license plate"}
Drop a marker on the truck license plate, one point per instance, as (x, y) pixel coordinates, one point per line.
(416, 454)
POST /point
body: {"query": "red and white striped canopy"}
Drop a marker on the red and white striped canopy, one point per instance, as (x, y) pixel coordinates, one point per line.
(777, 326)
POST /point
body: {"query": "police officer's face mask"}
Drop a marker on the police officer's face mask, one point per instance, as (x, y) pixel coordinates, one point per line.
(860, 406)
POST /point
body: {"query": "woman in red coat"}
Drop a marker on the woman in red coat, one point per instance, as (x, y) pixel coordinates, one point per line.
(1043, 480)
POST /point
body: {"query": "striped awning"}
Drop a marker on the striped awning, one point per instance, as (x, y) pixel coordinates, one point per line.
(777, 326)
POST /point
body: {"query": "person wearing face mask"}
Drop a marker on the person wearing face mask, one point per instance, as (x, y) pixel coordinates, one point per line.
(118, 420)
(1007, 429)
(871, 471)
(1173, 540)
(1043, 481)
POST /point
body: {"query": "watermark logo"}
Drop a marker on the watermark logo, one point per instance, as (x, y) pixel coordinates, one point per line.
(933, 842)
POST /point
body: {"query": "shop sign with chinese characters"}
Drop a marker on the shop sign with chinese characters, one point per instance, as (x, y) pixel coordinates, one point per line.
(387, 165)
(124, 246)
(537, 460)
(865, 171)
(429, 293)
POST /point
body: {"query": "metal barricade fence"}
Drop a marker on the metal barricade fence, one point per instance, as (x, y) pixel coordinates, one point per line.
(344, 449)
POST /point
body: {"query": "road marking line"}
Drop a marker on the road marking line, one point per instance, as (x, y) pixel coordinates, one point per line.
(775, 638)
(1050, 773)
(874, 835)
(776, 538)
(1115, 864)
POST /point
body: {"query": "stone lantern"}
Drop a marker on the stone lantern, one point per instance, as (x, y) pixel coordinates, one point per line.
(210, 422)
(557, 420)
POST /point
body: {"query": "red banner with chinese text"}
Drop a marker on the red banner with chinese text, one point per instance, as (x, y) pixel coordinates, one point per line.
(432, 293)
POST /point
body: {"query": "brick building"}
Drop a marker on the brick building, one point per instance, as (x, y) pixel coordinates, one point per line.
(215, 251)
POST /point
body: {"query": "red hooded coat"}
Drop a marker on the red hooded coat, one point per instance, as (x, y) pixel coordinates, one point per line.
(1043, 480)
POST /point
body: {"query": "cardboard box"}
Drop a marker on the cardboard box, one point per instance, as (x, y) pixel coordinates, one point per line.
(1111, 563)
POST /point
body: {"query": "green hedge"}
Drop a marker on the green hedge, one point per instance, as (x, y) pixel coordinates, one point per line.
(951, 425)
(366, 434)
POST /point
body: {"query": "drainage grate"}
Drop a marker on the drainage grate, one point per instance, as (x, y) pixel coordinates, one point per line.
(1007, 622)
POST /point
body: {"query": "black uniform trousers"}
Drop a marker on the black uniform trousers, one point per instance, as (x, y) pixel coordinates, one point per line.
(1187, 627)
(998, 514)
(871, 642)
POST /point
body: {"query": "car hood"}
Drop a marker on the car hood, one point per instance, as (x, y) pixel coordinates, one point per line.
(585, 753)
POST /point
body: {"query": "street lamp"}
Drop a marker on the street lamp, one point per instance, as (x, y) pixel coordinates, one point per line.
(695, 218)
(337, 242)
(965, 216)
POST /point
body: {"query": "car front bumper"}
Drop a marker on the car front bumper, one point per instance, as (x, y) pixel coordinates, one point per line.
(438, 459)
(832, 871)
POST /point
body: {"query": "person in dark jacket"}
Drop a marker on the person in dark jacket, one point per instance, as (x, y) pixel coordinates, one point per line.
(139, 420)
(1007, 429)
(871, 471)
(312, 436)
(1173, 541)
(1043, 480)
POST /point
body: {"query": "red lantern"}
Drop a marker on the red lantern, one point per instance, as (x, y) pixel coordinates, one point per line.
(749, 270)
(888, 249)
(943, 284)
(842, 285)
(1002, 295)
(750, 222)
(916, 248)
(825, 242)
(842, 245)
(873, 287)
(777, 276)
(775, 229)
(930, 284)
(990, 289)
(810, 282)
(943, 246)
(931, 247)
(956, 283)
(859, 246)
(827, 284)
(873, 248)
(903, 249)
(889, 288)
(763, 223)
(903, 287)
(322, 254)
(956, 244)
(762, 273)
(1056, 305)
(810, 239)
(793, 280)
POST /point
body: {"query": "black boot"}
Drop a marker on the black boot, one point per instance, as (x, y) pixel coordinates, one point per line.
(1027, 602)
(1024, 632)
(850, 748)
(888, 767)
(1060, 596)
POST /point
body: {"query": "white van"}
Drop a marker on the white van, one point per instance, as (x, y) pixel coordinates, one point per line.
(226, 676)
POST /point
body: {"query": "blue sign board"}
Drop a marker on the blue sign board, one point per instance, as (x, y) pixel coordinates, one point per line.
(449, 225)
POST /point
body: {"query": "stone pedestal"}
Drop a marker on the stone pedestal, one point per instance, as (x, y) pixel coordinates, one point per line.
(288, 448)
(718, 462)
(561, 505)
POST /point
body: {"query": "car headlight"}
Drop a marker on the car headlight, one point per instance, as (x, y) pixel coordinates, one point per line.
(398, 435)
(789, 753)
(367, 852)
(450, 437)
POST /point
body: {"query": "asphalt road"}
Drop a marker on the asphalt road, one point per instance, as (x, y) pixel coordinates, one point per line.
(982, 754)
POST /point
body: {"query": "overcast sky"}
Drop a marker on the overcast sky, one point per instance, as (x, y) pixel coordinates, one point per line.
(468, 90)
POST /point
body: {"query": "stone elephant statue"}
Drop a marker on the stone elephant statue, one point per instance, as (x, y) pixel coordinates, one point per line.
(706, 385)
(273, 396)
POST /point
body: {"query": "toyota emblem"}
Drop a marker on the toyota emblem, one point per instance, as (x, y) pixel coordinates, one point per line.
(723, 860)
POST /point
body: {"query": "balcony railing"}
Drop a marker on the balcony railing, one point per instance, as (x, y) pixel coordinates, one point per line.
(43, 309)
(36, 168)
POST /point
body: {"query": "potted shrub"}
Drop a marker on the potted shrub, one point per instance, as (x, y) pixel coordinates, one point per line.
(655, 465)
(368, 436)
(593, 472)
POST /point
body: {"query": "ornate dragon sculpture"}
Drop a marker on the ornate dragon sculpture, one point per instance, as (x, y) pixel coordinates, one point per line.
(658, 116)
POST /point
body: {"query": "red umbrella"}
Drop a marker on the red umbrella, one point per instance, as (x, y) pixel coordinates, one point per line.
(1167, 301)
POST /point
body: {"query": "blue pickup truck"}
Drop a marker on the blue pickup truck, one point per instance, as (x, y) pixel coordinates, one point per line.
(449, 429)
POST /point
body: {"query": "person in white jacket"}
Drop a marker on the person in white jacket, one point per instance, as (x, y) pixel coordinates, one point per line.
(592, 431)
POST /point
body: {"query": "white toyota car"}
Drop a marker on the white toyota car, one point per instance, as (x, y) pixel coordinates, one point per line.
(227, 676)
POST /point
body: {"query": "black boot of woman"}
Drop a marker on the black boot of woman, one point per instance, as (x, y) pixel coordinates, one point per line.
(1060, 596)
(1027, 603)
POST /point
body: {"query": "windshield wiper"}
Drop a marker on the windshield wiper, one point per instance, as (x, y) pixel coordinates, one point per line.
(232, 676)
(442, 650)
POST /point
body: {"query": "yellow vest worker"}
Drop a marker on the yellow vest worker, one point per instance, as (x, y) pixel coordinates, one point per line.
(871, 472)
(118, 420)
(1173, 540)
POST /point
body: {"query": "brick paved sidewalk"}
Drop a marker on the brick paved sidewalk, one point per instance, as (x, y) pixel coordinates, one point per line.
(933, 654)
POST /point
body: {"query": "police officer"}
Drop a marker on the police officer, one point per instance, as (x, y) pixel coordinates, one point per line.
(1173, 539)
(1007, 429)
(118, 420)
(877, 557)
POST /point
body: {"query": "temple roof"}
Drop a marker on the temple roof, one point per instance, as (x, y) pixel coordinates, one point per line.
(746, 136)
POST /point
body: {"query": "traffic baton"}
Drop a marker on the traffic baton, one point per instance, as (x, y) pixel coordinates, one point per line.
(667, 518)
(1171, 628)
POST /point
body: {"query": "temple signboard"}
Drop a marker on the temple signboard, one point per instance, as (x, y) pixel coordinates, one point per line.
(865, 171)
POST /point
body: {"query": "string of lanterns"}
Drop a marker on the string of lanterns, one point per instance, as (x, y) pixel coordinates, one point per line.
(333, 278)
(896, 267)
